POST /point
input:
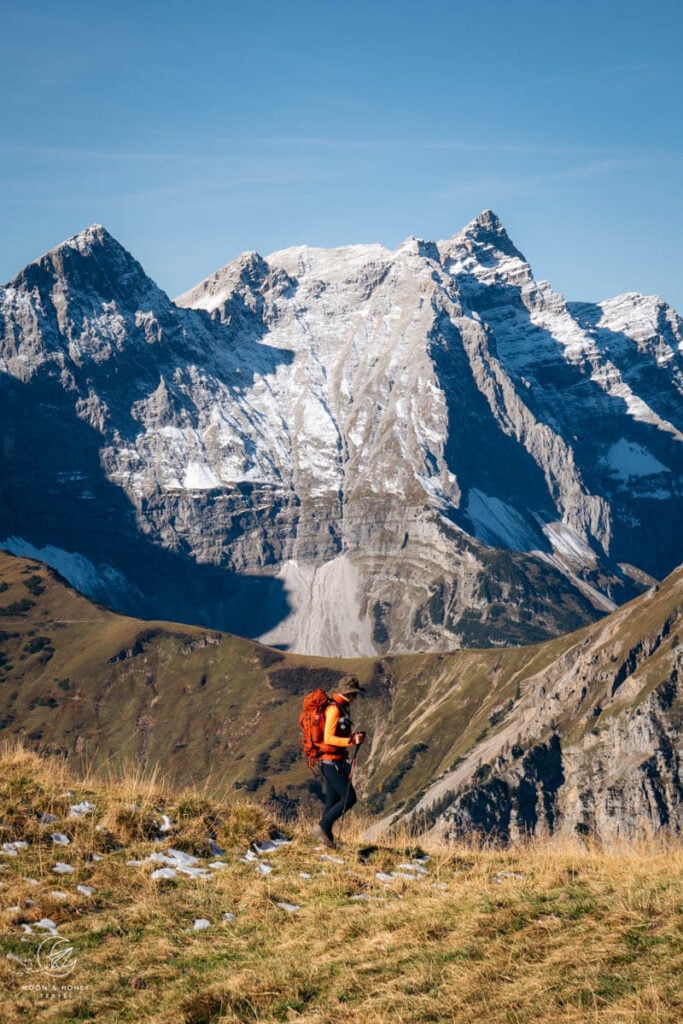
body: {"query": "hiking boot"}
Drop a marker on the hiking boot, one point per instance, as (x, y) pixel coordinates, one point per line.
(324, 836)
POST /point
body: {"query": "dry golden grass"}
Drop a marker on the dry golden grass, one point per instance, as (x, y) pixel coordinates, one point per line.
(555, 930)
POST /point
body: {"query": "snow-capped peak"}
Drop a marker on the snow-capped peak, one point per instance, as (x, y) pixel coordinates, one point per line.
(90, 263)
(85, 242)
(485, 232)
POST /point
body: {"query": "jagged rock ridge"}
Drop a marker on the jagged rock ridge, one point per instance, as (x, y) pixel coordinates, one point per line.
(342, 451)
(590, 745)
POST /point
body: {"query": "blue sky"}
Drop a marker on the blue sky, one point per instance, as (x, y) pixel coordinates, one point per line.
(195, 131)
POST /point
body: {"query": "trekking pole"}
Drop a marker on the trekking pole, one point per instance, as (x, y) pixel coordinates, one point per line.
(354, 755)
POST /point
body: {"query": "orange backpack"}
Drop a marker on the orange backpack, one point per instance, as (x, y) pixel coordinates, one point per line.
(312, 723)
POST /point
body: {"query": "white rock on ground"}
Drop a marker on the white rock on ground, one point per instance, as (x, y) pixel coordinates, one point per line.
(76, 810)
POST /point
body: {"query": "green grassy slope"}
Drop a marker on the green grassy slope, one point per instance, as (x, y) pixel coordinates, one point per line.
(78, 679)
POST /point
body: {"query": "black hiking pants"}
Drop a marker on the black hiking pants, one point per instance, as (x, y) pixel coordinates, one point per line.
(340, 796)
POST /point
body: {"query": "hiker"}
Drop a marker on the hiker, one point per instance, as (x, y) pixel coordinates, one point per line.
(339, 739)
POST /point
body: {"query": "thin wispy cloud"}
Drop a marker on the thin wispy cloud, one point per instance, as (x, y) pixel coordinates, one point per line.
(294, 148)
(530, 184)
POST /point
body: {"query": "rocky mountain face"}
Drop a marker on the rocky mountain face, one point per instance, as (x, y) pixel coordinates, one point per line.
(591, 742)
(343, 452)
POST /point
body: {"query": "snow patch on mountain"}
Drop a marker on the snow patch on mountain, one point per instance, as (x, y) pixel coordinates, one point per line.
(566, 542)
(626, 459)
(199, 477)
(498, 524)
(95, 581)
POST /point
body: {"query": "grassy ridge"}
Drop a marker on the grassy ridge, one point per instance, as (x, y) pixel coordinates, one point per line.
(562, 932)
(211, 707)
(78, 679)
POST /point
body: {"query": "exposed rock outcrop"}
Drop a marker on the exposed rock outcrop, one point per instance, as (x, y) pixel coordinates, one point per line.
(594, 743)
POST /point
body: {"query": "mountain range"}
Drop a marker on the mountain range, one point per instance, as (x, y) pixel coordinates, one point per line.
(343, 452)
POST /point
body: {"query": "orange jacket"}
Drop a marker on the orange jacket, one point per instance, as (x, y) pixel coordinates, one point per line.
(333, 747)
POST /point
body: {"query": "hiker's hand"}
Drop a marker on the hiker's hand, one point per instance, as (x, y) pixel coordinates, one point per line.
(358, 738)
